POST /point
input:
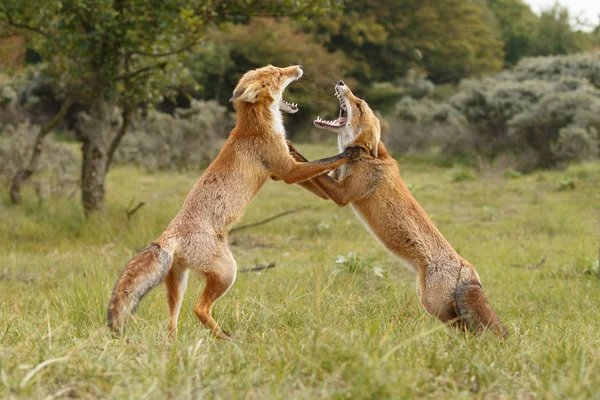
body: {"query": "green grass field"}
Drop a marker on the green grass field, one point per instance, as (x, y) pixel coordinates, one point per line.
(309, 328)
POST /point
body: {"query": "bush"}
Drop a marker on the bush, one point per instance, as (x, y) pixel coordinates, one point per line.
(27, 96)
(57, 171)
(560, 127)
(189, 139)
(543, 112)
(581, 66)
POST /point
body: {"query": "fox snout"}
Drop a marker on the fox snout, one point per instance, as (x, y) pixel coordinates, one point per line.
(341, 88)
(295, 71)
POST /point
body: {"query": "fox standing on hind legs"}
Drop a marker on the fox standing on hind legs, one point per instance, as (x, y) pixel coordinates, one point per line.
(448, 286)
(196, 239)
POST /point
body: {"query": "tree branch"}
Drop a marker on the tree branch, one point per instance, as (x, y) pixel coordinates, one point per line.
(140, 71)
(167, 53)
(134, 209)
(25, 173)
(26, 27)
(265, 221)
(257, 268)
(126, 114)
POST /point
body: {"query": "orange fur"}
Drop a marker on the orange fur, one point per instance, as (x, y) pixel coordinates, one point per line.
(448, 286)
(196, 238)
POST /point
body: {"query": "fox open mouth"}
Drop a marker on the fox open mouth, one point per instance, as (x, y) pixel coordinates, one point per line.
(286, 106)
(341, 121)
(289, 108)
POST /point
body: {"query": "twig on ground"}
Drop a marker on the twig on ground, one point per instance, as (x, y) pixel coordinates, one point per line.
(133, 210)
(265, 221)
(257, 268)
(531, 266)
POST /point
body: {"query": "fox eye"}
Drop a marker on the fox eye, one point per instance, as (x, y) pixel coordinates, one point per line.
(358, 106)
(281, 74)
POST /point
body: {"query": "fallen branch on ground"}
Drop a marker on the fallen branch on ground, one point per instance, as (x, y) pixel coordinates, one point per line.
(257, 268)
(534, 266)
(265, 221)
(132, 211)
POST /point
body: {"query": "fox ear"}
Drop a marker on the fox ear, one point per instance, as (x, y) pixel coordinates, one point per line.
(248, 93)
(374, 143)
(373, 149)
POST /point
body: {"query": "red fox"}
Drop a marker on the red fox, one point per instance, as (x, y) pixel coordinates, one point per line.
(196, 238)
(448, 286)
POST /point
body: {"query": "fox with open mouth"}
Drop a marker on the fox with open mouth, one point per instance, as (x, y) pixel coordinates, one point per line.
(448, 286)
(196, 239)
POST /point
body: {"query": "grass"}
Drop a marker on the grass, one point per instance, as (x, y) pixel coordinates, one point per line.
(311, 327)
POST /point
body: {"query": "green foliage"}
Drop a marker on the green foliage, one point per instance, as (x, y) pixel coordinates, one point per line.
(510, 173)
(556, 36)
(516, 22)
(235, 49)
(386, 38)
(111, 48)
(568, 183)
(462, 174)
(355, 263)
(96, 47)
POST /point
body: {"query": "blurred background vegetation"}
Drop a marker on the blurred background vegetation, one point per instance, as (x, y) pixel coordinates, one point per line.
(146, 82)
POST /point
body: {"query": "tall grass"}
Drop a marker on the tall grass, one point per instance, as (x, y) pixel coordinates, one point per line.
(311, 327)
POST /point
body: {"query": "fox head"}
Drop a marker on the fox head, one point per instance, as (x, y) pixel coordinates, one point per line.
(266, 86)
(356, 125)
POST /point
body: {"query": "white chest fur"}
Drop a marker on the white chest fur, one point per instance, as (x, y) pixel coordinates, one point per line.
(277, 119)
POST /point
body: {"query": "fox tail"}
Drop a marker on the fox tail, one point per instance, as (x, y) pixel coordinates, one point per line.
(144, 271)
(472, 305)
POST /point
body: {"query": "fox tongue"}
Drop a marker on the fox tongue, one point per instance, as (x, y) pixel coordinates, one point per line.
(341, 121)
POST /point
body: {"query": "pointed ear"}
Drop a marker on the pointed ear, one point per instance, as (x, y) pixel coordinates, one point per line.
(373, 148)
(374, 142)
(248, 93)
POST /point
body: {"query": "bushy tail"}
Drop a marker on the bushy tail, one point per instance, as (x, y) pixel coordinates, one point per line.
(473, 307)
(145, 271)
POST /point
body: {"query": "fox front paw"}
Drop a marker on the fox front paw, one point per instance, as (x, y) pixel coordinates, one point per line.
(353, 153)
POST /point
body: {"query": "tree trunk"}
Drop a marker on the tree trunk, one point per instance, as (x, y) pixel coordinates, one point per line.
(97, 132)
(25, 173)
(93, 174)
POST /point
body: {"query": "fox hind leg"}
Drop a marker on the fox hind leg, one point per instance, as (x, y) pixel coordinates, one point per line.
(176, 281)
(218, 282)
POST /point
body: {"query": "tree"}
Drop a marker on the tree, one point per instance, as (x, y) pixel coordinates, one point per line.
(555, 35)
(229, 52)
(112, 55)
(517, 25)
(387, 38)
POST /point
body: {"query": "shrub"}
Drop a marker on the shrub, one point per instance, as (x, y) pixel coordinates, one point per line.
(57, 170)
(582, 66)
(27, 96)
(543, 112)
(189, 139)
(560, 127)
